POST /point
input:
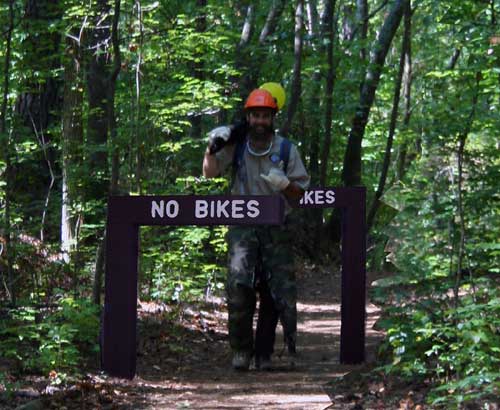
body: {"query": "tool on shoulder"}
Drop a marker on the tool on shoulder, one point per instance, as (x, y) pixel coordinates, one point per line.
(219, 137)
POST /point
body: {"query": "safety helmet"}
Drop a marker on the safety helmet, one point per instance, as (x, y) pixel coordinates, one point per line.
(260, 98)
(277, 91)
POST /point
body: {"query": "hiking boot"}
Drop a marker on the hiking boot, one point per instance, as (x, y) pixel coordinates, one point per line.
(292, 361)
(241, 361)
(263, 363)
(292, 355)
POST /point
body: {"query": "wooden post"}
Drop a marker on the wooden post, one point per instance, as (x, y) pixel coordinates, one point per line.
(352, 202)
(353, 315)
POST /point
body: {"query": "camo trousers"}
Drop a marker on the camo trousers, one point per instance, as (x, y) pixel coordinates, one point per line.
(261, 261)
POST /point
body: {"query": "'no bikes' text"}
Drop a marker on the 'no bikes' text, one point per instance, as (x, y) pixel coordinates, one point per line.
(232, 208)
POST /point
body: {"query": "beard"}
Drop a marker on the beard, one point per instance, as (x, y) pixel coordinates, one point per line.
(260, 133)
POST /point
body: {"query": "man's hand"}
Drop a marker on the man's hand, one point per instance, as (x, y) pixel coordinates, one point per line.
(276, 178)
(218, 138)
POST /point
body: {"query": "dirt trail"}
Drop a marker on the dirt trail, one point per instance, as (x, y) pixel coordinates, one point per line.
(184, 363)
(201, 377)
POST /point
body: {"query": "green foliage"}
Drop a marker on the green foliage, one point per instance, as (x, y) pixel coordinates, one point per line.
(185, 263)
(448, 340)
(186, 267)
(183, 72)
(457, 349)
(46, 341)
(7, 386)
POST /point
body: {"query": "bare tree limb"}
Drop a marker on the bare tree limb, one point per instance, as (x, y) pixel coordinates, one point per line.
(271, 20)
(454, 58)
(364, 17)
(374, 12)
(248, 27)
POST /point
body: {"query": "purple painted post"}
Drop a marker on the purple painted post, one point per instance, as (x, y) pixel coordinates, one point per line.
(120, 306)
(352, 201)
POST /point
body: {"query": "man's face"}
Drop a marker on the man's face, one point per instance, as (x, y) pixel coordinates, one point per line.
(260, 123)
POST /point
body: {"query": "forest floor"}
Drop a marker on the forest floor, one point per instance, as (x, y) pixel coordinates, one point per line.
(184, 363)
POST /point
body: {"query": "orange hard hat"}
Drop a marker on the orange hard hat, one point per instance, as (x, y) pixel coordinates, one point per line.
(261, 98)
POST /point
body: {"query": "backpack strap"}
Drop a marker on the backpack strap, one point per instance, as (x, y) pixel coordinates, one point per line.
(239, 151)
(285, 148)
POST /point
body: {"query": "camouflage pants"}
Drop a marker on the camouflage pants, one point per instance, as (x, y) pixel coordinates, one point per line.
(261, 261)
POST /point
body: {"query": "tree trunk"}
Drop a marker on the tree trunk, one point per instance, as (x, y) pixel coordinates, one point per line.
(97, 123)
(330, 80)
(460, 159)
(351, 172)
(241, 59)
(117, 62)
(245, 38)
(36, 106)
(72, 141)
(297, 68)
(197, 66)
(311, 131)
(392, 125)
(250, 80)
(99, 271)
(271, 21)
(251, 65)
(407, 80)
(454, 58)
(111, 123)
(138, 139)
(407, 154)
(5, 140)
(312, 18)
(362, 21)
(348, 25)
(248, 27)
(313, 102)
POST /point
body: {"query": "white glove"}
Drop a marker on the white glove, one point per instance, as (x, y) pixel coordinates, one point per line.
(218, 137)
(223, 132)
(276, 178)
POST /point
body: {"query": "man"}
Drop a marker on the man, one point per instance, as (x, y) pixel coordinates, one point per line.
(260, 258)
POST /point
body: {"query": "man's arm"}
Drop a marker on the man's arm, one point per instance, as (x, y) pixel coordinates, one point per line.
(299, 180)
(293, 191)
(210, 165)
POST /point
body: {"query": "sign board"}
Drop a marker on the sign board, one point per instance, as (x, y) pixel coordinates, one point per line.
(127, 213)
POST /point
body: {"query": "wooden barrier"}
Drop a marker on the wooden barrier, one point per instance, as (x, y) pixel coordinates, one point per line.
(127, 213)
